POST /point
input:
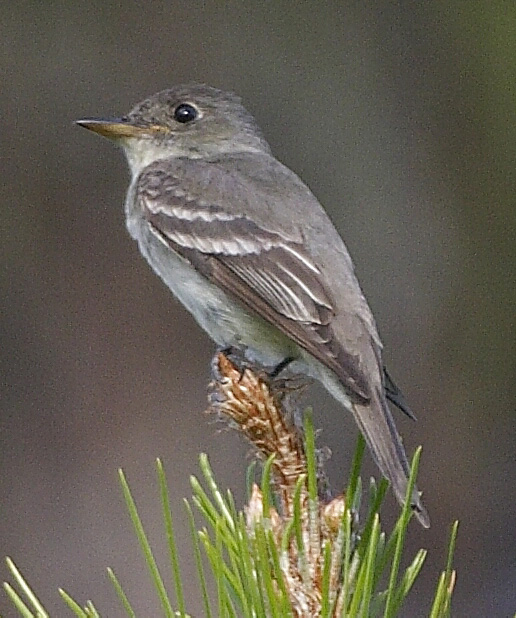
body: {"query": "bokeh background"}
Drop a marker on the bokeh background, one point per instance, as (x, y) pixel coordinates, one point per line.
(401, 118)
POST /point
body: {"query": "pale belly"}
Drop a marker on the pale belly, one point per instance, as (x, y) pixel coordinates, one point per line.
(227, 322)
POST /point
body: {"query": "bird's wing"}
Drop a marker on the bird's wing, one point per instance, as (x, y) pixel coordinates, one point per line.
(394, 394)
(269, 272)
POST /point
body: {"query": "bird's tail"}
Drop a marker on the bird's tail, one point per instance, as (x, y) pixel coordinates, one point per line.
(375, 421)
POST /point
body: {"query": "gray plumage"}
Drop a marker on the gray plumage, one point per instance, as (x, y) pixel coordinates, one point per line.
(246, 247)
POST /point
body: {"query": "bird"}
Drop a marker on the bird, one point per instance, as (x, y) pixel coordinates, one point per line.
(247, 248)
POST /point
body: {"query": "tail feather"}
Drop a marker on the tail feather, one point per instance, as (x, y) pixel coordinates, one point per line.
(377, 426)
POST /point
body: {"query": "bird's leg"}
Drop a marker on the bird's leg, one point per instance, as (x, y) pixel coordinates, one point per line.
(280, 366)
(234, 355)
(237, 357)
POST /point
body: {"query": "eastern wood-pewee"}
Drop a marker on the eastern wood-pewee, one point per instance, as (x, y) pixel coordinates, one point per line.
(249, 251)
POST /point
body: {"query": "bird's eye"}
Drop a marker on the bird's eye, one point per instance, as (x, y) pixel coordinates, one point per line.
(185, 113)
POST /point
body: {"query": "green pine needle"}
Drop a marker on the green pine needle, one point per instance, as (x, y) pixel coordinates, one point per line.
(252, 564)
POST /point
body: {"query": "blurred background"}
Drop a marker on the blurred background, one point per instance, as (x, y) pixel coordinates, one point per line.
(401, 119)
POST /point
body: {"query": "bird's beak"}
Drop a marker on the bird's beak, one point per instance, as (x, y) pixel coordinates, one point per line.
(116, 128)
